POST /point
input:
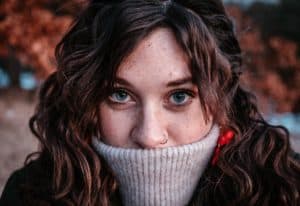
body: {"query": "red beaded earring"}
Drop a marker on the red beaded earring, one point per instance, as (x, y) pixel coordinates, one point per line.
(224, 139)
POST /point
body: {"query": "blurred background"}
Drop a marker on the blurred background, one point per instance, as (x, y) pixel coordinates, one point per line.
(268, 30)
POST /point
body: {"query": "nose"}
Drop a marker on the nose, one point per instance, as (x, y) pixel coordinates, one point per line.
(150, 131)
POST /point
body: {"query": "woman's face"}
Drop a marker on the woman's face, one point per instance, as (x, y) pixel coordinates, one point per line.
(154, 98)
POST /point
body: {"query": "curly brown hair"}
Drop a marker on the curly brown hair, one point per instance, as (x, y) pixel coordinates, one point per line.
(257, 168)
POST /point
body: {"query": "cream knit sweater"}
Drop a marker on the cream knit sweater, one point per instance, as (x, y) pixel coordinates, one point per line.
(159, 177)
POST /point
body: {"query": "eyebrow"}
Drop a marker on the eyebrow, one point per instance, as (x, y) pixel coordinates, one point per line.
(177, 82)
(122, 81)
(181, 81)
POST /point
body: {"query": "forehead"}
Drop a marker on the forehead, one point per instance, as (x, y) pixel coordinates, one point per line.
(157, 58)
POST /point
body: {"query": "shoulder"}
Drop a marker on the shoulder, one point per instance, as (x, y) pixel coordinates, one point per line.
(10, 194)
(33, 180)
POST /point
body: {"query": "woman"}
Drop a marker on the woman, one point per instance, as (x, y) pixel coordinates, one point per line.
(146, 109)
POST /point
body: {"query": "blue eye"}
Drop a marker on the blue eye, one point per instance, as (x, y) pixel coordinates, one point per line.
(120, 96)
(179, 98)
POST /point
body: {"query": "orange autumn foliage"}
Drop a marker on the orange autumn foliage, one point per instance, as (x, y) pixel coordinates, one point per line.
(271, 66)
(30, 30)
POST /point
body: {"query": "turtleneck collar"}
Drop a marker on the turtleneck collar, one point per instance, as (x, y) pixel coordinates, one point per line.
(164, 176)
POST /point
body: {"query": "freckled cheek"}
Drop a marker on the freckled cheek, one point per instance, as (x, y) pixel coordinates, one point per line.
(115, 126)
(188, 127)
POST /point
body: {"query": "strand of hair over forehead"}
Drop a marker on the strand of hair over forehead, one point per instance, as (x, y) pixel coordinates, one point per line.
(164, 2)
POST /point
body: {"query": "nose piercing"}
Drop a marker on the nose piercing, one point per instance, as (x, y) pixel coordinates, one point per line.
(165, 141)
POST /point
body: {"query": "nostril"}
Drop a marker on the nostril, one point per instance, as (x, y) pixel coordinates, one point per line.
(150, 139)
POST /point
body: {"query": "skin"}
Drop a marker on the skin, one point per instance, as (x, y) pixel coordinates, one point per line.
(154, 98)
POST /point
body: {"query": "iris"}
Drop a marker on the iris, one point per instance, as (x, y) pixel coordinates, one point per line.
(179, 98)
(120, 96)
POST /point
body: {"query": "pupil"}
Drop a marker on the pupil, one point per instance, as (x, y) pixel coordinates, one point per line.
(121, 95)
(179, 97)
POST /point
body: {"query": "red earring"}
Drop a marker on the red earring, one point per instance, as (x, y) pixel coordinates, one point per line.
(224, 139)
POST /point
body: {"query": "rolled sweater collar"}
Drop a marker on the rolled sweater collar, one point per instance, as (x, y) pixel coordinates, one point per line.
(164, 176)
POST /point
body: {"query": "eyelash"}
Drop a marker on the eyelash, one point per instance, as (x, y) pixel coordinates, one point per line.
(191, 94)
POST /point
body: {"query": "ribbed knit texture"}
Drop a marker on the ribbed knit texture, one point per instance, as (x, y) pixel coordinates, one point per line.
(156, 177)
